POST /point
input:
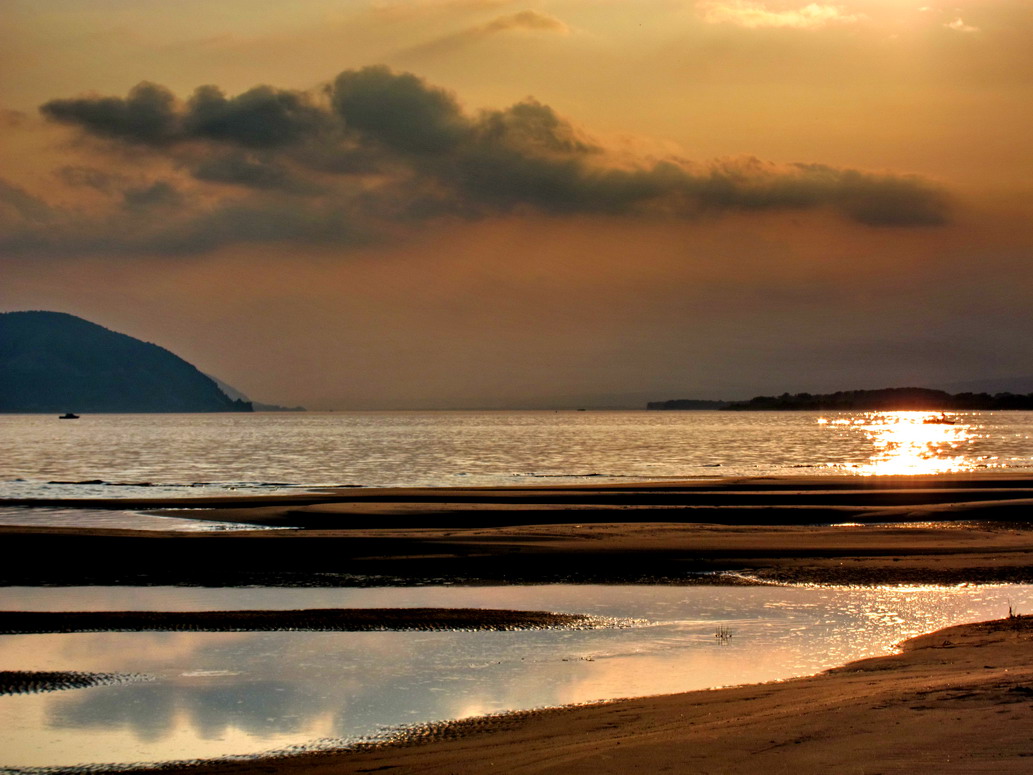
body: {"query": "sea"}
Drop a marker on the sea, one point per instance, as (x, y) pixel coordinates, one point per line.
(169, 455)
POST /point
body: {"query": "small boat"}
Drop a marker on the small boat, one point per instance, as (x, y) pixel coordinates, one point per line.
(68, 416)
(943, 419)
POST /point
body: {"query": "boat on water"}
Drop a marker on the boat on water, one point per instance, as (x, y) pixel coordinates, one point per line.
(69, 416)
(943, 419)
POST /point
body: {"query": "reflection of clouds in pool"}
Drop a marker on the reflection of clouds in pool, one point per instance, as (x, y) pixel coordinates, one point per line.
(257, 708)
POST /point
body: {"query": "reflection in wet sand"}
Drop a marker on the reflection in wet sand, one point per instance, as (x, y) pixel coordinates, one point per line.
(217, 694)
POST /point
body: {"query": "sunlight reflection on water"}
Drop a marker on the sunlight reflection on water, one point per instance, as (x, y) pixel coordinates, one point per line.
(119, 456)
(914, 443)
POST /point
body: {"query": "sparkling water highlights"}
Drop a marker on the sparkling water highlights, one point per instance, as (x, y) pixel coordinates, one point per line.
(916, 443)
(188, 455)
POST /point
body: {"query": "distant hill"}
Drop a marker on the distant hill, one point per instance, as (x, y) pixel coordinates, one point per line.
(886, 399)
(55, 362)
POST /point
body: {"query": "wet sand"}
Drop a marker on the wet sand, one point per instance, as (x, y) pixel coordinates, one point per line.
(310, 620)
(960, 700)
(949, 529)
(32, 681)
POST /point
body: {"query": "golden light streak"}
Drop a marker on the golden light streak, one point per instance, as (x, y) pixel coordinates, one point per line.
(913, 443)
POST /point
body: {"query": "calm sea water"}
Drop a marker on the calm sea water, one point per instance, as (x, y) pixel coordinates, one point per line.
(218, 694)
(194, 454)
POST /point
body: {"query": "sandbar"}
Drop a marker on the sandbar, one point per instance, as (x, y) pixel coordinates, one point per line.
(842, 530)
(310, 620)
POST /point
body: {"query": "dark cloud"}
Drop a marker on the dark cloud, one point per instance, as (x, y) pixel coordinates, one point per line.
(88, 177)
(241, 169)
(263, 117)
(532, 128)
(869, 198)
(161, 194)
(148, 115)
(885, 200)
(399, 110)
(377, 150)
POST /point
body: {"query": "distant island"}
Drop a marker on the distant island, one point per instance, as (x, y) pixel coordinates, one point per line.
(886, 399)
(55, 362)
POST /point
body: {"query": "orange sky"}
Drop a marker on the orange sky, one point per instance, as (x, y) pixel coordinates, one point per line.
(461, 203)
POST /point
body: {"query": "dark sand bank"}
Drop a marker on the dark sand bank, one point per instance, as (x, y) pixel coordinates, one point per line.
(32, 681)
(317, 620)
(820, 529)
(958, 701)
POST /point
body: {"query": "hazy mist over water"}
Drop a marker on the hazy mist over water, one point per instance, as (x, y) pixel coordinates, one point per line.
(113, 455)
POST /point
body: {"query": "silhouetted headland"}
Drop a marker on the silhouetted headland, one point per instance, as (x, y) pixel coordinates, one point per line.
(55, 362)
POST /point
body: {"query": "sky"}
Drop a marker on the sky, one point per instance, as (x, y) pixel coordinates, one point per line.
(391, 204)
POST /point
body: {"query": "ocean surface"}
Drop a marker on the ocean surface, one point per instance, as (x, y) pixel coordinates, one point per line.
(193, 454)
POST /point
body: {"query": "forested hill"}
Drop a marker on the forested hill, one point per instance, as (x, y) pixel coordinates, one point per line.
(55, 362)
(886, 399)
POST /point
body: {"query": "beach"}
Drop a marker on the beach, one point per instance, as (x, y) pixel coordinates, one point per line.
(947, 529)
(957, 700)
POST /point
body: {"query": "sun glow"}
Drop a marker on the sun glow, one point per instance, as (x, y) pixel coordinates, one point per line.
(913, 442)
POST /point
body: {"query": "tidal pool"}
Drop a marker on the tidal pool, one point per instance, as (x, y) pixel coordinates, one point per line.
(231, 694)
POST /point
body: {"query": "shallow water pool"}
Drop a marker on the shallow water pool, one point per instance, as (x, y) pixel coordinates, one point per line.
(221, 694)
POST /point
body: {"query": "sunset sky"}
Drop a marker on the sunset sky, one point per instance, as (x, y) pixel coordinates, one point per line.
(363, 204)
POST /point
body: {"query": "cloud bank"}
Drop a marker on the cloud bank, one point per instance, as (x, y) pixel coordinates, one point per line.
(378, 153)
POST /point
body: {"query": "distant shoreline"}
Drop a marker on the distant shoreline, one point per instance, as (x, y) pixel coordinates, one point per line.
(885, 400)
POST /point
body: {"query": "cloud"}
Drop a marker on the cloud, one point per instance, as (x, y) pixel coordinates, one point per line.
(399, 110)
(262, 117)
(236, 168)
(375, 154)
(523, 21)
(146, 116)
(752, 13)
(88, 177)
(159, 194)
(959, 26)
